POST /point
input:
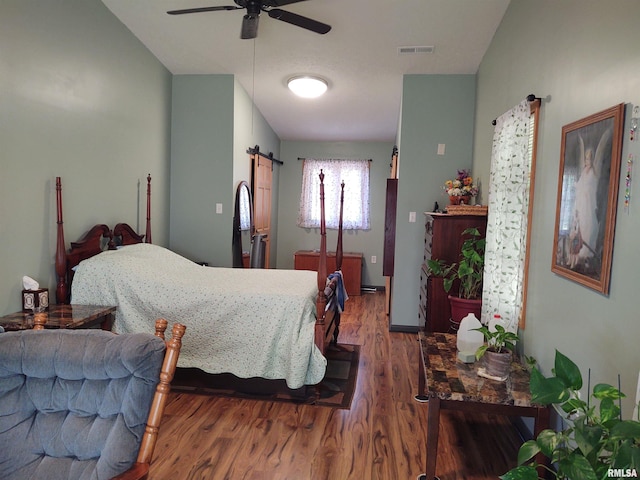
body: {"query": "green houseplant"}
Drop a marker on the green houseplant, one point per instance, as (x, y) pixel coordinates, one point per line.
(467, 271)
(499, 348)
(499, 340)
(596, 444)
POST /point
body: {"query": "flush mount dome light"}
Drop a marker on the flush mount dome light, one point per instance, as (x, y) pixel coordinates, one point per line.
(307, 86)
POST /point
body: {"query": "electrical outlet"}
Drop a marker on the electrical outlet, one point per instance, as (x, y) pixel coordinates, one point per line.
(412, 217)
(374, 259)
(218, 208)
(441, 147)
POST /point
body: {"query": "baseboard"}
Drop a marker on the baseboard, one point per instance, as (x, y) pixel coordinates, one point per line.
(403, 328)
(372, 288)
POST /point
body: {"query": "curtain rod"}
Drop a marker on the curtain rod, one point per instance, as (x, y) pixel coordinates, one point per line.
(530, 98)
(369, 159)
(256, 151)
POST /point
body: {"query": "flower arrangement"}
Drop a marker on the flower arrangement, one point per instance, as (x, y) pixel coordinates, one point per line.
(462, 185)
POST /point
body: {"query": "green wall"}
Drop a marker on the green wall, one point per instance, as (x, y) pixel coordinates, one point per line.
(292, 237)
(436, 109)
(202, 167)
(581, 57)
(82, 99)
(213, 123)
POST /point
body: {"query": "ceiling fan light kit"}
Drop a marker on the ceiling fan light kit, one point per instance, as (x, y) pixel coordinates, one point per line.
(307, 86)
(254, 7)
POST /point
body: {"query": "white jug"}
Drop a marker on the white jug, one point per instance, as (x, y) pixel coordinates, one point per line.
(469, 340)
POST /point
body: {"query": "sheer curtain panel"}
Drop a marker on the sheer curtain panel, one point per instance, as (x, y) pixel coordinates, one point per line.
(354, 174)
(509, 182)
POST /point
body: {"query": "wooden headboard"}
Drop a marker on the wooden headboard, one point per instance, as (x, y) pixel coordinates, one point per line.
(97, 239)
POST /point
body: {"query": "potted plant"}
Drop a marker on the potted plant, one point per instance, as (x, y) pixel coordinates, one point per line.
(596, 444)
(498, 350)
(468, 272)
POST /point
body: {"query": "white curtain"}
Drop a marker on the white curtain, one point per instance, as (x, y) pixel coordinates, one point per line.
(509, 182)
(355, 174)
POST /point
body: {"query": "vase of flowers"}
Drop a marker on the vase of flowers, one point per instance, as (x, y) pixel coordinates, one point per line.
(461, 188)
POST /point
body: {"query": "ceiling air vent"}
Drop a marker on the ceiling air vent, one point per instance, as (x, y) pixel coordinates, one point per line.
(415, 50)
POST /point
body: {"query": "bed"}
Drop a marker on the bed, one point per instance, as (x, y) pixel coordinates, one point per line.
(272, 324)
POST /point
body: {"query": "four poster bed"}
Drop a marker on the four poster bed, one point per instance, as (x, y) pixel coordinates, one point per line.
(273, 324)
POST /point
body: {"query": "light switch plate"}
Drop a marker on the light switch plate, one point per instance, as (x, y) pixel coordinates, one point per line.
(218, 208)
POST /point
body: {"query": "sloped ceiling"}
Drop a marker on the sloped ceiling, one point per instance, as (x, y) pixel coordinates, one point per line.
(359, 56)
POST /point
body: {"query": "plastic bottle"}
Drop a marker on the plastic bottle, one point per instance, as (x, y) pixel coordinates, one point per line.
(497, 318)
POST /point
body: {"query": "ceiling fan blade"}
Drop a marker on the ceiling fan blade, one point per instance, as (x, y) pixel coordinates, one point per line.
(249, 26)
(299, 21)
(279, 3)
(203, 9)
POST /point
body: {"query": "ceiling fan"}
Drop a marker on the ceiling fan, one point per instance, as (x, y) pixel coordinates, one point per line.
(254, 7)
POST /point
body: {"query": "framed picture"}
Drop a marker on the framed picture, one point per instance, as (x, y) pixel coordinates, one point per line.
(587, 198)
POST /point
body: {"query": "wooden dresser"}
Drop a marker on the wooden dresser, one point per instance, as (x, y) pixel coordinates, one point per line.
(351, 267)
(443, 241)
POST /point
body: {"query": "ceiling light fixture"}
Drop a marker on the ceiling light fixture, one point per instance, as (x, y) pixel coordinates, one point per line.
(307, 86)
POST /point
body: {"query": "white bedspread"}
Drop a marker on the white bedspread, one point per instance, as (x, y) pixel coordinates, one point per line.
(249, 322)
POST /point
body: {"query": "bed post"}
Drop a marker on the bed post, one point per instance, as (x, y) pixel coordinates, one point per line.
(61, 256)
(339, 245)
(321, 299)
(147, 235)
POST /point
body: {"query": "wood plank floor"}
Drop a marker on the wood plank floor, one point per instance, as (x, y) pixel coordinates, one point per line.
(382, 436)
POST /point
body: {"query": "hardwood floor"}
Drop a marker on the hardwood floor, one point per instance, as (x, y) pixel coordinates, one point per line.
(382, 436)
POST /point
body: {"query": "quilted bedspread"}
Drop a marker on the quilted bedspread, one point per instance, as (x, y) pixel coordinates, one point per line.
(249, 322)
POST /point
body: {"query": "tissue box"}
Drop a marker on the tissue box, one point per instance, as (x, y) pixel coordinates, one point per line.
(32, 299)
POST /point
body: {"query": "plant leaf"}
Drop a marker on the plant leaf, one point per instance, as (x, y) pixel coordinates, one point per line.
(576, 467)
(608, 410)
(628, 456)
(547, 442)
(603, 390)
(626, 429)
(573, 404)
(521, 473)
(480, 351)
(568, 372)
(545, 391)
(527, 451)
(588, 437)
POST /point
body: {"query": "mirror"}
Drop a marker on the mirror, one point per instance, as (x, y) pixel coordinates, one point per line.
(242, 223)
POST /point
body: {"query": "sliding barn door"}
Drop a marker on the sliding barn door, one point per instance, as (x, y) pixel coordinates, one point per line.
(262, 177)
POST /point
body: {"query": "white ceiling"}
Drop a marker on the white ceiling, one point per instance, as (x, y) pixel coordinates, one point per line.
(359, 56)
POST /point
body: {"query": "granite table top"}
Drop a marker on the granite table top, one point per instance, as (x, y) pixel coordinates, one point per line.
(449, 378)
(60, 316)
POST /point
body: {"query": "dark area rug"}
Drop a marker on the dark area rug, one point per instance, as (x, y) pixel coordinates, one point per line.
(335, 390)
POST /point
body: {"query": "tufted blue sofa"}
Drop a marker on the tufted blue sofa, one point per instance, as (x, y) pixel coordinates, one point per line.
(74, 403)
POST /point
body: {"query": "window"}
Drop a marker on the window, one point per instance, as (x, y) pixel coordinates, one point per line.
(354, 174)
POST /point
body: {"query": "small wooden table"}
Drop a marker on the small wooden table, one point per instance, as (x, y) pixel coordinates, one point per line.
(454, 385)
(63, 316)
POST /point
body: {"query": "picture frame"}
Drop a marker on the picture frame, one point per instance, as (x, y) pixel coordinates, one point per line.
(588, 181)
